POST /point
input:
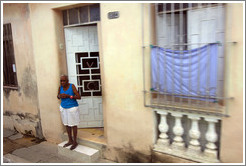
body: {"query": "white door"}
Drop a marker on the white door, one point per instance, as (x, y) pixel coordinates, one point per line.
(84, 72)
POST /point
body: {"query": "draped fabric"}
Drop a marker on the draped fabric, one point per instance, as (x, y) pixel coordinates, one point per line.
(187, 72)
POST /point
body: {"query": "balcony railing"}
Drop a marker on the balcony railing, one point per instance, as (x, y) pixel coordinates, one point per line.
(191, 136)
(217, 106)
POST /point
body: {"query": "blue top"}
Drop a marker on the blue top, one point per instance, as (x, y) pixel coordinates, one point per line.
(67, 102)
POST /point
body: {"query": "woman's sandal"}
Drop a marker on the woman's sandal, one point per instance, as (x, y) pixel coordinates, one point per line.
(73, 146)
(67, 144)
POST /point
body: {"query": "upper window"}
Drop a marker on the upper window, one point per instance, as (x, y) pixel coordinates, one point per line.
(81, 15)
(188, 59)
(9, 67)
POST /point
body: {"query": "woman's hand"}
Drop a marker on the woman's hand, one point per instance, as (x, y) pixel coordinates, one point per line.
(63, 95)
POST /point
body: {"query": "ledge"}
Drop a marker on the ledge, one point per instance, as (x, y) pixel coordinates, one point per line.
(11, 87)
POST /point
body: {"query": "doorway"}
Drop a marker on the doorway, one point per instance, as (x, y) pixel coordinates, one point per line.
(83, 62)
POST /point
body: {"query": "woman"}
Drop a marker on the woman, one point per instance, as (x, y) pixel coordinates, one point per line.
(69, 110)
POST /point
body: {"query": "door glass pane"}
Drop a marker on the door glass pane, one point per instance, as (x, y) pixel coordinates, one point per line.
(73, 16)
(94, 12)
(83, 14)
(64, 13)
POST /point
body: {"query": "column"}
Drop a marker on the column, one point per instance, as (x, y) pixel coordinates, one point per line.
(178, 130)
(163, 128)
(211, 137)
(194, 133)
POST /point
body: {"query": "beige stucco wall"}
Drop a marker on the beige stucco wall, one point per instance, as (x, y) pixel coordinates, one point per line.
(130, 127)
(24, 100)
(47, 36)
(232, 127)
(121, 55)
(129, 124)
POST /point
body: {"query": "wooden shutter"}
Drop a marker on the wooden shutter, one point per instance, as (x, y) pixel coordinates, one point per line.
(9, 67)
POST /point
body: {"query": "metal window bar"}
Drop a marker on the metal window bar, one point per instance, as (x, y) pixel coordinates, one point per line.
(179, 42)
(189, 97)
(199, 55)
(172, 42)
(226, 60)
(165, 67)
(217, 81)
(190, 7)
(181, 48)
(158, 77)
(219, 91)
(207, 66)
(190, 44)
(150, 73)
(157, 33)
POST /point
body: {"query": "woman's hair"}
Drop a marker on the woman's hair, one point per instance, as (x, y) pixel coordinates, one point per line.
(64, 75)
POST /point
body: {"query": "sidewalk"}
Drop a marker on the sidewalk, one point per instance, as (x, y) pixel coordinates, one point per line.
(26, 151)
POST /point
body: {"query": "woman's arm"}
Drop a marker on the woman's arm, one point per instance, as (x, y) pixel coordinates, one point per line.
(77, 96)
(58, 95)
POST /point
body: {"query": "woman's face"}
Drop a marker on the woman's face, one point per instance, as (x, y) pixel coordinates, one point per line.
(64, 81)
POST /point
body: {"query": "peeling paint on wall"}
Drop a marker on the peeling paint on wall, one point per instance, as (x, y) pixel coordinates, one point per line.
(28, 83)
(27, 123)
(6, 93)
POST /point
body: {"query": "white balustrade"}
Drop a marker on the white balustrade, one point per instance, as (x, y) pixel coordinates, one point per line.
(211, 137)
(178, 131)
(194, 133)
(163, 127)
(194, 149)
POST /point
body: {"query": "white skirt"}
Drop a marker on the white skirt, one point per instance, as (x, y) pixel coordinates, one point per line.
(70, 116)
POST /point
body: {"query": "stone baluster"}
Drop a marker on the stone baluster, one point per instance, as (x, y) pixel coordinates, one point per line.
(211, 137)
(163, 128)
(194, 133)
(178, 131)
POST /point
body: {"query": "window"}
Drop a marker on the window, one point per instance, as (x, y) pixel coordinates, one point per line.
(81, 15)
(188, 59)
(9, 67)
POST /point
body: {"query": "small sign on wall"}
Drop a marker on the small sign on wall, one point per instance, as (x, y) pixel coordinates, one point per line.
(14, 69)
(113, 15)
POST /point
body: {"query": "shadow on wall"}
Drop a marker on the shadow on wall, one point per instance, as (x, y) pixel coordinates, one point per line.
(127, 154)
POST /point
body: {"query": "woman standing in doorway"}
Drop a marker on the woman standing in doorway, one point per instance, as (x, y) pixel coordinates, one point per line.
(69, 110)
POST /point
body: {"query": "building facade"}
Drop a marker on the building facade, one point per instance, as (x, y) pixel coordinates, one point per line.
(108, 50)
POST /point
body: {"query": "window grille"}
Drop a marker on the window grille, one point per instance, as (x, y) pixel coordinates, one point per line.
(9, 67)
(181, 29)
(81, 15)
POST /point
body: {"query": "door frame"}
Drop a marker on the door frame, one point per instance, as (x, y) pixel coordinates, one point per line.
(99, 35)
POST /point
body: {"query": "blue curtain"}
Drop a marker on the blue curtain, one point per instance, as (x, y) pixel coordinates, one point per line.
(188, 72)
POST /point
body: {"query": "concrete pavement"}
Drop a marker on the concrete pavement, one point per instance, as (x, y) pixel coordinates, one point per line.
(44, 152)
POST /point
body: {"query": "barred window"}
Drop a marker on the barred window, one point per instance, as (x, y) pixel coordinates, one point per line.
(9, 67)
(188, 58)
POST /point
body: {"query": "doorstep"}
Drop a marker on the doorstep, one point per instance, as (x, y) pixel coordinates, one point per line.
(92, 137)
(81, 153)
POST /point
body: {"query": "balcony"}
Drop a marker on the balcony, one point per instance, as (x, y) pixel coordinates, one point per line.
(188, 135)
